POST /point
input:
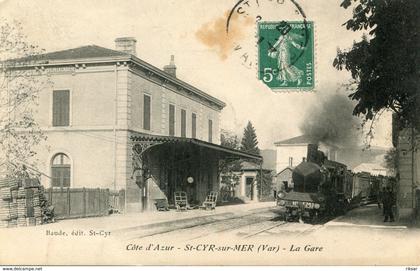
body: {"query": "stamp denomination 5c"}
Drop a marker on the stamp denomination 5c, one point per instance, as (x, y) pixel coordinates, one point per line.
(286, 55)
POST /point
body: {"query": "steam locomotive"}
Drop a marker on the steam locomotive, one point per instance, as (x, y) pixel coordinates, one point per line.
(324, 188)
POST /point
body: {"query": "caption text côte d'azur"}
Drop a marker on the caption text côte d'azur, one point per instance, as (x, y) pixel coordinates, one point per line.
(258, 248)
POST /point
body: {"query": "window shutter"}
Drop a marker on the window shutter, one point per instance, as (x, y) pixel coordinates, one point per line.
(61, 108)
(56, 108)
(171, 120)
(183, 123)
(210, 131)
(193, 125)
(146, 112)
(65, 108)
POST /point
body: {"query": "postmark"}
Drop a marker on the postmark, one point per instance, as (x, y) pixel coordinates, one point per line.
(286, 54)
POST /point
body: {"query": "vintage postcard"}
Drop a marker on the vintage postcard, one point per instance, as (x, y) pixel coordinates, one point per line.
(226, 132)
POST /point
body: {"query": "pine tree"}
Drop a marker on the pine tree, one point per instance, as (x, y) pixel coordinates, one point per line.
(249, 140)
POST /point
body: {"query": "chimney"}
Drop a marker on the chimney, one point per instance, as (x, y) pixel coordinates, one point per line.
(126, 45)
(171, 68)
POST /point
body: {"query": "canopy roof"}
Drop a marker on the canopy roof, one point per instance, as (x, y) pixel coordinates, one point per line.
(174, 140)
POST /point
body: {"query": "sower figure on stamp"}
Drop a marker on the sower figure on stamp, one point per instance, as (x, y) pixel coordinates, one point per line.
(287, 72)
(388, 201)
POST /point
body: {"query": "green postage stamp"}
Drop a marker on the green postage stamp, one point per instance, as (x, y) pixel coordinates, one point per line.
(286, 55)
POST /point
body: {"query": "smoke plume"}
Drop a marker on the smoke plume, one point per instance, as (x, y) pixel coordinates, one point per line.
(330, 120)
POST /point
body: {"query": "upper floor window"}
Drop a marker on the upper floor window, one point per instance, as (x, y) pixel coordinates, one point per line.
(171, 120)
(183, 123)
(146, 111)
(60, 170)
(193, 125)
(61, 108)
(210, 131)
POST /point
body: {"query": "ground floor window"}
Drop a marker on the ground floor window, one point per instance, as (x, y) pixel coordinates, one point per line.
(60, 170)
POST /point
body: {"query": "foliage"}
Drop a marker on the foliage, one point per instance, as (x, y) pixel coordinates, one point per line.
(228, 139)
(227, 168)
(384, 65)
(229, 181)
(391, 160)
(19, 89)
(249, 141)
(265, 185)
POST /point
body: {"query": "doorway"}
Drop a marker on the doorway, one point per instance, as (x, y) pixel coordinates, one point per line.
(249, 188)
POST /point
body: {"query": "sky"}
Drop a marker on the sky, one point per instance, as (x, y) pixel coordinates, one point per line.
(193, 31)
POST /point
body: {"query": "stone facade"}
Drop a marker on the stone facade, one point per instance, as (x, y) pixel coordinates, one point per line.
(408, 172)
(106, 108)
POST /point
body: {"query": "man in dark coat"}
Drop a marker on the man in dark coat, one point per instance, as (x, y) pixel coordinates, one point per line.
(388, 201)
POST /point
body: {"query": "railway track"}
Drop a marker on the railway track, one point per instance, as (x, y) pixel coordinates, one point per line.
(244, 226)
(198, 228)
(266, 229)
(228, 228)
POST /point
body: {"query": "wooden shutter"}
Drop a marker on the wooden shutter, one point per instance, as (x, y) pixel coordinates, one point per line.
(210, 131)
(183, 123)
(171, 120)
(193, 125)
(146, 112)
(61, 108)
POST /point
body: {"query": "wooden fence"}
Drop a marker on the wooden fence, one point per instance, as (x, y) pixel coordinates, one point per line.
(84, 202)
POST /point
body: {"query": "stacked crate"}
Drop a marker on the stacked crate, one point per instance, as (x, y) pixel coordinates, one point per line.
(8, 206)
(20, 203)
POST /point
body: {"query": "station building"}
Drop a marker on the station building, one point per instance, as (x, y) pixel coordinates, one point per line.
(115, 121)
(292, 151)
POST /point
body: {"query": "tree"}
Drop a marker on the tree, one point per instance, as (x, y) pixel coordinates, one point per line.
(19, 89)
(265, 185)
(391, 160)
(228, 169)
(249, 141)
(228, 139)
(384, 65)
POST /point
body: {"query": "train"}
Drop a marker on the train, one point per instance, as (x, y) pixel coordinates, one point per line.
(323, 188)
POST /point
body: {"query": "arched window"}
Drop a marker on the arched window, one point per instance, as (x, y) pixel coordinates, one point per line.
(60, 170)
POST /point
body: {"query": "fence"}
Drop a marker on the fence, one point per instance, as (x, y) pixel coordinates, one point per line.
(83, 202)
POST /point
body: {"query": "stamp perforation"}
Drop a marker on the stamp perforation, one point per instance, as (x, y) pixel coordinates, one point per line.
(294, 73)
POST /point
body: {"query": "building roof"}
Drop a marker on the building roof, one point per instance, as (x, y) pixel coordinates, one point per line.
(97, 54)
(297, 140)
(86, 52)
(285, 169)
(252, 166)
(245, 165)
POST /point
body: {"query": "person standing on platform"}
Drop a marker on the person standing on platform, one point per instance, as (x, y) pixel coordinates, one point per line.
(388, 202)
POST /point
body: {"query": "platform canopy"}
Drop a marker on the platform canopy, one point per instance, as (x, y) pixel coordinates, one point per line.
(222, 151)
